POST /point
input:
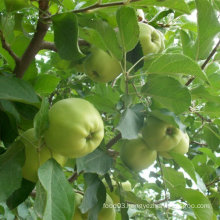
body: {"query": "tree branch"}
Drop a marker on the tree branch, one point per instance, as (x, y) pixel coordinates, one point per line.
(213, 182)
(74, 176)
(113, 141)
(205, 63)
(36, 41)
(45, 45)
(48, 46)
(8, 48)
(195, 142)
(98, 5)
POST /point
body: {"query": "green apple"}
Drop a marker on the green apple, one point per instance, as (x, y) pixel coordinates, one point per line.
(137, 155)
(101, 67)
(126, 186)
(181, 148)
(151, 40)
(108, 210)
(160, 135)
(77, 214)
(14, 5)
(36, 155)
(75, 128)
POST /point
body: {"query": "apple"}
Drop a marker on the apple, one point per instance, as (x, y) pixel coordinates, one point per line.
(181, 148)
(108, 210)
(101, 67)
(77, 214)
(36, 155)
(160, 135)
(151, 40)
(14, 5)
(137, 155)
(75, 128)
(126, 186)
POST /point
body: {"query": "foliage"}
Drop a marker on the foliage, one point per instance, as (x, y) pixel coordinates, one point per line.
(43, 45)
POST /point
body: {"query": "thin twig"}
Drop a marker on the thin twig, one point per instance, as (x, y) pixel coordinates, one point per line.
(213, 182)
(74, 177)
(105, 5)
(113, 141)
(161, 201)
(195, 142)
(205, 63)
(8, 48)
(45, 45)
(203, 119)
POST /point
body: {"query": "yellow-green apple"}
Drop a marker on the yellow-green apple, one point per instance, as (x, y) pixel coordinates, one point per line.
(77, 213)
(160, 135)
(151, 40)
(137, 155)
(36, 155)
(75, 128)
(108, 210)
(181, 148)
(101, 67)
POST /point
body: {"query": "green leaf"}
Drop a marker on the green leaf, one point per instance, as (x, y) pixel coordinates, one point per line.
(178, 5)
(9, 108)
(128, 27)
(209, 135)
(41, 119)
(173, 180)
(169, 92)
(199, 203)
(209, 153)
(46, 84)
(15, 89)
(187, 44)
(21, 194)
(131, 122)
(176, 64)
(94, 197)
(108, 35)
(66, 36)
(96, 162)
(11, 163)
(212, 108)
(105, 98)
(186, 164)
(93, 37)
(208, 27)
(57, 194)
(202, 93)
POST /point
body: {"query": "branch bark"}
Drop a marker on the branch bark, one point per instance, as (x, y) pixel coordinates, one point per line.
(98, 5)
(8, 48)
(113, 141)
(36, 41)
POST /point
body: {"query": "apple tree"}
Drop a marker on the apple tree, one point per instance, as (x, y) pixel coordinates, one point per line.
(109, 109)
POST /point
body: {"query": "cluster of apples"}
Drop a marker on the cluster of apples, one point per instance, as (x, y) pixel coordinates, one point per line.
(157, 137)
(75, 130)
(102, 67)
